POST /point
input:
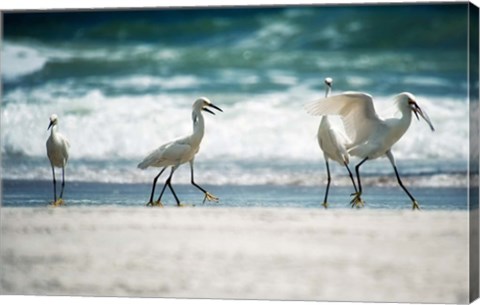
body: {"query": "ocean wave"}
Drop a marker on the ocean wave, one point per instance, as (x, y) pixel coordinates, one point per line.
(19, 60)
(75, 69)
(261, 126)
(329, 27)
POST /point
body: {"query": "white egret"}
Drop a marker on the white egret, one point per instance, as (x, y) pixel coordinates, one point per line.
(333, 144)
(175, 153)
(57, 152)
(371, 136)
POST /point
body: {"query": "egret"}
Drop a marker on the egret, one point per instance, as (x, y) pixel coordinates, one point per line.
(371, 136)
(175, 153)
(333, 144)
(57, 152)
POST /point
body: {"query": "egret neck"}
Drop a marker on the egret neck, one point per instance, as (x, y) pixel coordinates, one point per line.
(398, 126)
(324, 123)
(55, 147)
(53, 130)
(198, 127)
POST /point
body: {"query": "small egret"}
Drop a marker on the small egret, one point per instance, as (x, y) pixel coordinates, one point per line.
(333, 144)
(175, 153)
(371, 136)
(57, 152)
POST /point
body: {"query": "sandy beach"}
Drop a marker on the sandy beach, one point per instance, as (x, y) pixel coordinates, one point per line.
(246, 253)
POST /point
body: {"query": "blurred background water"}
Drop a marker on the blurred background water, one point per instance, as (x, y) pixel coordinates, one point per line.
(123, 82)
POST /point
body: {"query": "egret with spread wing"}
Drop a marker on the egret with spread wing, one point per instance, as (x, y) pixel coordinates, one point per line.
(57, 152)
(175, 153)
(371, 136)
(333, 144)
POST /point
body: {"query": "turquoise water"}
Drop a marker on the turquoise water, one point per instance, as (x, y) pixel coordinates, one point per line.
(122, 83)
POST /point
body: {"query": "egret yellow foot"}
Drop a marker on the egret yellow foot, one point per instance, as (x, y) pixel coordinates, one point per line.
(210, 197)
(357, 201)
(58, 203)
(325, 204)
(155, 204)
(415, 205)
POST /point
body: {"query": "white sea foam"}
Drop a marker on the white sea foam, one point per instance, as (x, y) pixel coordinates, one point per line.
(263, 126)
(19, 60)
(145, 82)
(266, 139)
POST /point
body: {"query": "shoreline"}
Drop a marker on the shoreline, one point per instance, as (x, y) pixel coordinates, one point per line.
(39, 194)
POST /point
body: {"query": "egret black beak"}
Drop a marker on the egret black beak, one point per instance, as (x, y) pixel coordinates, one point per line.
(210, 111)
(415, 111)
(50, 125)
(418, 111)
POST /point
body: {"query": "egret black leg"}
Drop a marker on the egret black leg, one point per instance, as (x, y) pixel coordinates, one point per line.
(63, 182)
(193, 181)
(173, 192)
(357, 171)
(351, 177)
(54, 185)
(415, 205)
(163, 190)
(208, 196)
(169, 184)
(401, 184)
(357, 199)
(329, 179)
(154, 184)
(198, 186)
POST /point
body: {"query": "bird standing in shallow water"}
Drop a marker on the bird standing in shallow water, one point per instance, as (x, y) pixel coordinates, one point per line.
(333, 144)
(57, 152)
(371, 136)
(175, 153)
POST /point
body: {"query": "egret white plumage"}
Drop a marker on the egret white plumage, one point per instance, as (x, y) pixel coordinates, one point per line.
(177, 152)
(57, 152)
(371, 136)
(333, 143)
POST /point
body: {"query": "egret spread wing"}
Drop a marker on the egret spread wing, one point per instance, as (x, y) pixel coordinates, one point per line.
(356, 110)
